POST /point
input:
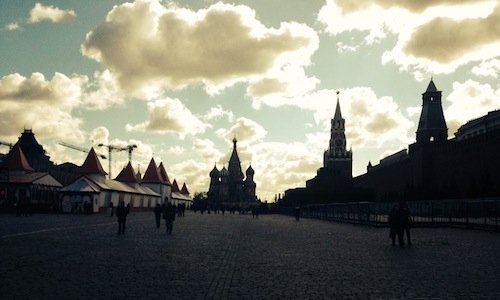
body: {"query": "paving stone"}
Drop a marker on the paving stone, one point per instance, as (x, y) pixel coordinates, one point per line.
(237, 257)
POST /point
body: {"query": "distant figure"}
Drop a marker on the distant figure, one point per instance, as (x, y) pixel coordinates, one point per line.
(297, 213)
(128, 208)
(394, 224)
(121, 214)
(169, 216)
(405, 219)
(157, 211)
(111, 208)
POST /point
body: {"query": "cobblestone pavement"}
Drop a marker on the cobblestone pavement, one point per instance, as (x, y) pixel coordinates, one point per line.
(237, 257)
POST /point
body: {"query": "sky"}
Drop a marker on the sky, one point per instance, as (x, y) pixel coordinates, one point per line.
(181, 79)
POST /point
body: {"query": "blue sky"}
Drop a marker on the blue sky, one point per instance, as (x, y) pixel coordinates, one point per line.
(181, 79)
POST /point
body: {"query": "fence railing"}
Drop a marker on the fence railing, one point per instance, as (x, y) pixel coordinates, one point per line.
(483, 214)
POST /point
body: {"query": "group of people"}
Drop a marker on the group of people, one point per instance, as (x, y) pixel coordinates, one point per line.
(400, 223)
(168, 211)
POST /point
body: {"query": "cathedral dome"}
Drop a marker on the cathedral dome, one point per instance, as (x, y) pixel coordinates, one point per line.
(214, 172)
(250, 171)
(224, 172)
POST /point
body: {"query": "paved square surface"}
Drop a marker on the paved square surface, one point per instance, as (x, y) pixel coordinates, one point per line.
(237, 257)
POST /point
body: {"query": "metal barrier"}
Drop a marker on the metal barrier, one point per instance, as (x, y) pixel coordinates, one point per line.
(480, 214)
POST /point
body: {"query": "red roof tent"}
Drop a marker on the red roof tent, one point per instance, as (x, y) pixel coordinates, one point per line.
(16, 161)
(163, 173)
(127, 174)
(184, 189)
(175, 187)
(91, 165)
(152, 174)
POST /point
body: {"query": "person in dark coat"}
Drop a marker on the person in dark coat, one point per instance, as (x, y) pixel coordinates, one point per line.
(394, 224)
(169, 216)
(405, 219)
(111, 208)
(121, 214)
(158, 209)
(297, 213)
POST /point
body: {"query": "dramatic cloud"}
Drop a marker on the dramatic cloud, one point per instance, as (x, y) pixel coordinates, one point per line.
(102, 92)
(44, 105)
(469, 100)
(445, 40)
(426, 41)
(170, 116)
(148, 45)
(370, 120)
(244, 130)
(50, 13)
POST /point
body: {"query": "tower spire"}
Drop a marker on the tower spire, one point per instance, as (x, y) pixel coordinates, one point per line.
(432, 124)
(338, 113)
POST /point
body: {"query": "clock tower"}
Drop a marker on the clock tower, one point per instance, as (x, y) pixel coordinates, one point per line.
(337, 159)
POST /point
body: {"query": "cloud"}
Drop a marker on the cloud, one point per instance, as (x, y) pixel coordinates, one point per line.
(102, 92)
(206, 149)
(50, 13)
(170, 116)
(469, 100)
(244, 130)
(12, 26)
(426, 41)
(370, 119)
(193, 173)
(487, 68)
(44, 105)
(145, 44)
(281, 86)
(411, 5)
(217, 112)
(445, 40)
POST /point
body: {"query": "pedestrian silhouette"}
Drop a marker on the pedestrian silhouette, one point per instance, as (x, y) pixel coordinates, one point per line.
(405, 219)
(297, 213)
(111, 208)
(169, 216)
(121, 214)
(157, 211)
(394, 224)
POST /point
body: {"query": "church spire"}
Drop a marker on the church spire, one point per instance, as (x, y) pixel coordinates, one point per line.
(338, 114)
(234, 166)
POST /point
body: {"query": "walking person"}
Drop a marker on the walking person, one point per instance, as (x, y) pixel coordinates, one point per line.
(157, 211)
(121, 214)
(394, 224)
(405, 219)
(169, 216)
(297, 213)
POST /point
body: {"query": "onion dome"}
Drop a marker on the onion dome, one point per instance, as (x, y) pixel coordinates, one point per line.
(215, 172)
(250, 171)
(224, 172)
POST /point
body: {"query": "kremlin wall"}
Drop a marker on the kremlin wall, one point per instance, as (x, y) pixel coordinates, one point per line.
(433, 168)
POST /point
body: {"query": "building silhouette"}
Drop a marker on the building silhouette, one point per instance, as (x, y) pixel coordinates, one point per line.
(229, 187)
(432, 168)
